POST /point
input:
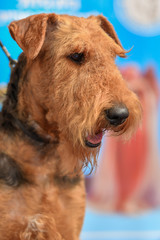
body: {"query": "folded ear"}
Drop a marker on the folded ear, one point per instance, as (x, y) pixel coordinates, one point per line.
(29, 33)
(109, 29)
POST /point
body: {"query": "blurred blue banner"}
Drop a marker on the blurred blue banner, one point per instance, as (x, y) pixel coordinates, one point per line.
(136, 22)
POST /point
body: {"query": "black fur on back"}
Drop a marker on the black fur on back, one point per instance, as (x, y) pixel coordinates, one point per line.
(9, 109)
(10, 172)
(10, 103)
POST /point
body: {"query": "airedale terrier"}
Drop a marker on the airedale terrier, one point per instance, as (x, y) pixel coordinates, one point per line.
(64, 92)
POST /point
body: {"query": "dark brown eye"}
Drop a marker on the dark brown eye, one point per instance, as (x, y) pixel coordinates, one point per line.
(77, 57)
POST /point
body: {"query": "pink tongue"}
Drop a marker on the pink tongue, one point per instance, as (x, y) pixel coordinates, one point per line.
(95, 138)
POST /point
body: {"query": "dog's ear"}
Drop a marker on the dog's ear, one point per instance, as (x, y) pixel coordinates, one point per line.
(109, 29)
(29, 33)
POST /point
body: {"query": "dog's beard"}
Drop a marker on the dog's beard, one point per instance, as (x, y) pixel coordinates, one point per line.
(86, 158)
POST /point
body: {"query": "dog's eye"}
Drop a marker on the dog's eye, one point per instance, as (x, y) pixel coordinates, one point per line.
(77, 57)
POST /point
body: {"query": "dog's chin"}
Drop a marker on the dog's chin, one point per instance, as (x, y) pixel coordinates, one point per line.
(93, 141)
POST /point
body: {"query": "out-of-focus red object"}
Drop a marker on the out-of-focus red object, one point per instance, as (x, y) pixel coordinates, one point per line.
(128, 177)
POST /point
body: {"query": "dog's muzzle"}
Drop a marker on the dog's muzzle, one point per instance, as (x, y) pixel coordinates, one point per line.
(117, 114)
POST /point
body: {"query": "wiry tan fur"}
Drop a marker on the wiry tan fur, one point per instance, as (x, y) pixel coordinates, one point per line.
(63, 102)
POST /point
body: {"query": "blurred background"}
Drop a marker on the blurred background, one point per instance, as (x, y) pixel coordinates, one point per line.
(123, 195)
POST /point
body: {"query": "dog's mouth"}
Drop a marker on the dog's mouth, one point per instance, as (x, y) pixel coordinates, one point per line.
(94, 141)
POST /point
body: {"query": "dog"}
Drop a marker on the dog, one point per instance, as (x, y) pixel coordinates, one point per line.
(64, 92)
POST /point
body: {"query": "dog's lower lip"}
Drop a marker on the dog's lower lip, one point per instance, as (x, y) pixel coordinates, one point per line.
(94, 140)
(91, 145)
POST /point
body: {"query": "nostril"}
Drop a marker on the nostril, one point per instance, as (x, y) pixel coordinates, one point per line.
(117, 114)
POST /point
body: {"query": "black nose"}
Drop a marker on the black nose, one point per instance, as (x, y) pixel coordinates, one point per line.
(117, 114)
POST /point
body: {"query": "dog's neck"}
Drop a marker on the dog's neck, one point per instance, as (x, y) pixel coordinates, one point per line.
(11, 120)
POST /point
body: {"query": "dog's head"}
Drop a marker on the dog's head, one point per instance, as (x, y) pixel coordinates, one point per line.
(72, 79)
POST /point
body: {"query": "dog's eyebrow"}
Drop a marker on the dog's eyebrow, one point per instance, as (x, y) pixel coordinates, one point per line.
(10, 172)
